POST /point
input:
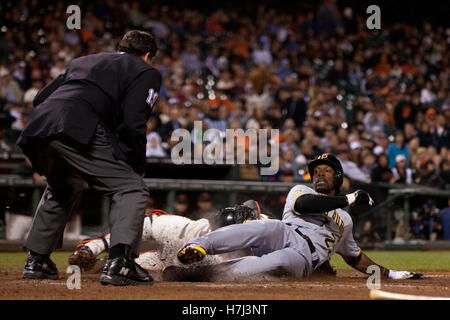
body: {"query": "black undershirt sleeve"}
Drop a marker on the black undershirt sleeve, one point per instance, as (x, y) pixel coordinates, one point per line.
(313, 203)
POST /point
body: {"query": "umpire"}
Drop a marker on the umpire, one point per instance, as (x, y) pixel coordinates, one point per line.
(88, 130)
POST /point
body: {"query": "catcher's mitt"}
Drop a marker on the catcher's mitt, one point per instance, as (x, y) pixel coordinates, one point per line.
(234, 215)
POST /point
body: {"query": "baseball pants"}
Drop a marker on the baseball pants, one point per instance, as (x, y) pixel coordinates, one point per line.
(277, 249)
(69, 171)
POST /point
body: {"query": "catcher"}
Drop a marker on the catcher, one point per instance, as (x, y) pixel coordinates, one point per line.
(313, 227)
(169, 232)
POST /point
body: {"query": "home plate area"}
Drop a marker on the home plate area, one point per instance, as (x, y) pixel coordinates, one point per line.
(344, 286)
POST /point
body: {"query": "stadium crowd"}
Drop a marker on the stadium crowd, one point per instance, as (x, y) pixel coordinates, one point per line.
(379, 100)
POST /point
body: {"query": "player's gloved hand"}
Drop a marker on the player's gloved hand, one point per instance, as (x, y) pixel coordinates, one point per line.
(359, 197)
(398, 275)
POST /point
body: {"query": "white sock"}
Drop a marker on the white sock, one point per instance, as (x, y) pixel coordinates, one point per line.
(97, 246)
(147, 229)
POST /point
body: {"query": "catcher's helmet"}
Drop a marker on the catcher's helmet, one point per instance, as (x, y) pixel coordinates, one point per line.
(331, 161)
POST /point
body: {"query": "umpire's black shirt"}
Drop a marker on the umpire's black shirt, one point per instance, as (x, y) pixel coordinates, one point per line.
(117, 89)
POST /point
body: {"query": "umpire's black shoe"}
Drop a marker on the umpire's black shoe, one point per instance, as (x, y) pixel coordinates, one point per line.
(124, 272)
(40, 267)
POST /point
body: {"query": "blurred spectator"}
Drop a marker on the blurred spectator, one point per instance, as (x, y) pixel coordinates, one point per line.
(191, 58)
(58, 68)
(211, 61)
(172, 124)
(20, 75)
(398, 147)
(429, 176)
(213, 118)
(427, 223)
(445, 171)
(425, 134)
(288, 159)
(11, 94)
(295, 108)
(441, 134)
(404, 112)
(401, 172)
(426, 94)
(36, 85)
(287, 175)
(261, 55)
(328, 17)
(154, 147)
(181, 205)
(372, 122)
(368, 163)
(351, 169)
(205, 207)
(381, 173)
(291, 138)
(444, 217)
(299, 168)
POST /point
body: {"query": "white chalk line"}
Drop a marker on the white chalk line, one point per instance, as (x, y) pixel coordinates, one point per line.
(317, 285)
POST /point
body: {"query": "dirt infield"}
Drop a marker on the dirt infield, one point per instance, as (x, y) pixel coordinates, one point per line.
(345, 286)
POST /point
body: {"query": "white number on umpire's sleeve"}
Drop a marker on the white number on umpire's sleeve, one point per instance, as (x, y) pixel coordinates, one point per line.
(152, 97)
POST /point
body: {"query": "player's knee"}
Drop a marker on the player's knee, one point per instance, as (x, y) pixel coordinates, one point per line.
(280, 267)
(281, 264)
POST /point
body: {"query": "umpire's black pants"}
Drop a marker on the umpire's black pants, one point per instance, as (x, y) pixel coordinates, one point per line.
(69, 171)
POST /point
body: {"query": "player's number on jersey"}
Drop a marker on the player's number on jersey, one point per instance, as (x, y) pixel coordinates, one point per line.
(151, 98)
(330, 242)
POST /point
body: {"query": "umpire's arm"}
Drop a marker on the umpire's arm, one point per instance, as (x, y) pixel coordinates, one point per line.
(136, 106)
(45, 92)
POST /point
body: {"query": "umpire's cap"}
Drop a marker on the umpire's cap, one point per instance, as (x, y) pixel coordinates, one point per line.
(331, 161)
(139, 43)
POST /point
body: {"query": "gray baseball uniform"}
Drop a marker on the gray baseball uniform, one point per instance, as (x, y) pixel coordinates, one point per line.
(329, 232)
(278, 246)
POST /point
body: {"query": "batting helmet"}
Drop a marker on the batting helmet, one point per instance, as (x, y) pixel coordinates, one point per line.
(331, 161)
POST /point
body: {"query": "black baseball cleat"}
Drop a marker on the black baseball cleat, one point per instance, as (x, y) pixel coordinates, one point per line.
(123, 271)
(40, 267)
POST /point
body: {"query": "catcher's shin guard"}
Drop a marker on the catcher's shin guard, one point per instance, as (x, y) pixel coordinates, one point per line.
(82, 257)
(85, 254)
(191, 253)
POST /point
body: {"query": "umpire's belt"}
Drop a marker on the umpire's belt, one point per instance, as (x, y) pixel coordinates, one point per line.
(310, 244)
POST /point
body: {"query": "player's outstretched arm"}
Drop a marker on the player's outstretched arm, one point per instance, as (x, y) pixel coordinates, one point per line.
(362, 262)
(313, 203)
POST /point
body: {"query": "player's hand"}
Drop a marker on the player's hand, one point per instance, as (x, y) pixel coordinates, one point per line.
(359, 197)
(398, 275)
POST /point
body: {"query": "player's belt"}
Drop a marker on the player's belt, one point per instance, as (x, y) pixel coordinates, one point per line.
(310, 244)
